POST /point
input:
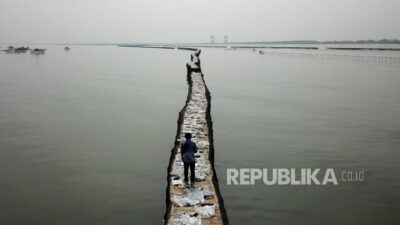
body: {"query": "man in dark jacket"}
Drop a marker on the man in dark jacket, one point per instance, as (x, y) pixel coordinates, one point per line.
(188, 148)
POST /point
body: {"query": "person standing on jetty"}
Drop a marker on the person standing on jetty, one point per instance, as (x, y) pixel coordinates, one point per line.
(188, 148)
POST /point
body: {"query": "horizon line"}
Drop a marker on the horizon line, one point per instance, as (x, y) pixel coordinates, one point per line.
(364, 41)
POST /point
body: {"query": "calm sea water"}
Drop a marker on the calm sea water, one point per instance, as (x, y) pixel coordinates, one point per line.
(85, 135)
(274, 111)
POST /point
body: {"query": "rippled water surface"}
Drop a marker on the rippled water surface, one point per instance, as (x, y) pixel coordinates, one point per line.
(85, 135)
(279, 111)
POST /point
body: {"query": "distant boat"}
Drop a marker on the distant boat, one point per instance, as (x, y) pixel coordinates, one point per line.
(21, 50)
(12, 49)
(38, 51)
(67, 48)
(261, 52)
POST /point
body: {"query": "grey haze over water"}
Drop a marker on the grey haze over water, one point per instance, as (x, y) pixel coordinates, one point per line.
(85, 135)
(126, 21)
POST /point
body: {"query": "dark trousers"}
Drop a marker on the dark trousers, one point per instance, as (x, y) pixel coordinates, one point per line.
(186, 167)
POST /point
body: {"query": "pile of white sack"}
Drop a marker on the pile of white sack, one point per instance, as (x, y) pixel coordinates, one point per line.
(195, 123)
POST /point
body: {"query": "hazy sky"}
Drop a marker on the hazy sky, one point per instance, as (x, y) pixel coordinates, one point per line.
(195, 20)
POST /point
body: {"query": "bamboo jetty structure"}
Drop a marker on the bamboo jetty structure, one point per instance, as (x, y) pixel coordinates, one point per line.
(203, 203)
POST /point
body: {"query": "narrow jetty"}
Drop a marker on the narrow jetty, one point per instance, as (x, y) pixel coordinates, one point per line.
(203, 203)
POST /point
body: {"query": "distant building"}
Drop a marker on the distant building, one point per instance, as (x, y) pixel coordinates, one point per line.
(212, 39)
(226, 39)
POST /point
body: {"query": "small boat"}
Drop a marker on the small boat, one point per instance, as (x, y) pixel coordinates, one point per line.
(38, 51)
(67, 48)
(21, 50)
(12, 49)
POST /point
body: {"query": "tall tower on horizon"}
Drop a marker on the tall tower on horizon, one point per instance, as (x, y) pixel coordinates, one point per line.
(226, 39)
(212, 39)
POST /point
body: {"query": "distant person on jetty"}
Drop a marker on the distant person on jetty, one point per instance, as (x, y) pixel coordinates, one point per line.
(188, 148)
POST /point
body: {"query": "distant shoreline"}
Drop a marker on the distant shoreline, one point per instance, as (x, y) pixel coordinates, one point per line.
(236, 46)
(298, 42)
(382, 41)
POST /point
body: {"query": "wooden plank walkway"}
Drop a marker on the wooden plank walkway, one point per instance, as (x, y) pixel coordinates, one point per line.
(185, 203)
